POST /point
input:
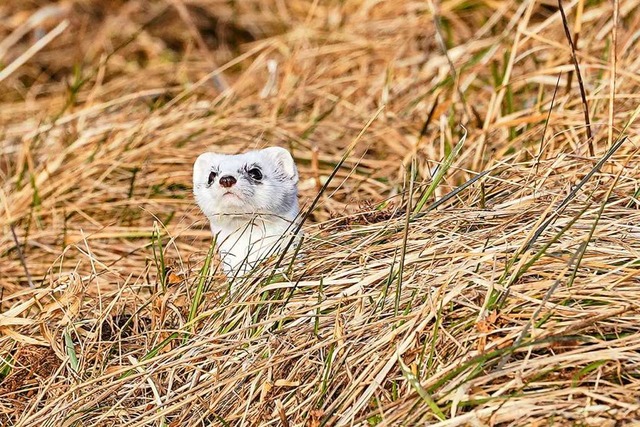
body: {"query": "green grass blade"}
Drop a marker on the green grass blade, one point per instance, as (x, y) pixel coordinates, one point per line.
(440, 173)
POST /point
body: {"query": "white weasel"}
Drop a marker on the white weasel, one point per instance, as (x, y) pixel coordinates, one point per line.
(251, 200)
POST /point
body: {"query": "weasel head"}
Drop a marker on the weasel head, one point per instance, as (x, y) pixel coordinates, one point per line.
(257, 182)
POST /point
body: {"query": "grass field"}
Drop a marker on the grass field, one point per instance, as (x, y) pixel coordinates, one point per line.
(471, 170)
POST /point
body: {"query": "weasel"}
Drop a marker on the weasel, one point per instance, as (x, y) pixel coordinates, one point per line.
(251, 201)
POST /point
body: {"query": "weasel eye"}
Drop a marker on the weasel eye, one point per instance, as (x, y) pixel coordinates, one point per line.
(255, 173)
(212, 176)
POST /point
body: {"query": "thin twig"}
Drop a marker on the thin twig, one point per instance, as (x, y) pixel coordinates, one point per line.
(583, 93)
(21, 255)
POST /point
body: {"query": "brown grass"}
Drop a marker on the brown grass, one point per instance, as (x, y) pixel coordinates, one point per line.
(513, 301)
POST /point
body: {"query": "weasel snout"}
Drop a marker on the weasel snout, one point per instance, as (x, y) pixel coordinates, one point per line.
(227, 181)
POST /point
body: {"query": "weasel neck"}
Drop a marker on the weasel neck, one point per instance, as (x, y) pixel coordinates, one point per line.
(226, 225)
(243, 240)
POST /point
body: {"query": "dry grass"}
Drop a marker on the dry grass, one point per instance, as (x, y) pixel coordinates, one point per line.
(511, 301)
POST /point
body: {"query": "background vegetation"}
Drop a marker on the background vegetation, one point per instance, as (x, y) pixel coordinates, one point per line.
(472, 258)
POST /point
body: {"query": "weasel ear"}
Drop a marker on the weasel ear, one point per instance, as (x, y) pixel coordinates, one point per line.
(284, 160)
(202, 167)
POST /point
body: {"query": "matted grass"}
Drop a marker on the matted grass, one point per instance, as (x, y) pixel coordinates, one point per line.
(499, 289)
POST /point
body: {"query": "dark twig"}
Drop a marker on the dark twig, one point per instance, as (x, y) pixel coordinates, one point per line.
(583, 93)
(22, 260)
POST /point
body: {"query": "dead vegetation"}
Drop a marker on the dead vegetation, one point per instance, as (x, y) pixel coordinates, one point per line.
(500, 292)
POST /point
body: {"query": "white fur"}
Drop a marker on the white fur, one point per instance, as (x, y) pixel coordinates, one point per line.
(251, 217)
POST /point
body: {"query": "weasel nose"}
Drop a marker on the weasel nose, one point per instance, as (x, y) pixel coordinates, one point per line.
(227, 181)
